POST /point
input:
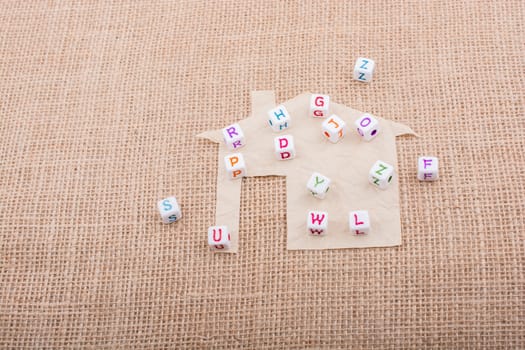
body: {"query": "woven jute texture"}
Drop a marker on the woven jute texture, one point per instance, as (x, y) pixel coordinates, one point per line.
(99, 105)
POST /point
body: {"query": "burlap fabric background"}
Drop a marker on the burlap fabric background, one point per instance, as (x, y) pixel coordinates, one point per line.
(99, 102)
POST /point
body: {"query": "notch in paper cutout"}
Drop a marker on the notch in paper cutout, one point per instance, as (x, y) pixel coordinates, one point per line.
(346, 163)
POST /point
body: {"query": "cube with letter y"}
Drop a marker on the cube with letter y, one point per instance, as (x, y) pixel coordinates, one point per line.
(318, 185)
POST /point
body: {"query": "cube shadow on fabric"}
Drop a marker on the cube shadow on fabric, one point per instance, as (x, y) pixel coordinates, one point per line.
(359, 222)
(318, 185)
(381, 174)
(284, 147)
(219, 238)
(317, 223)
(235, 166)
(427, 168)
(364, 69)
(367, 127)
(279, 119)
(169, 210)
(334, 128)
(319, 105)
(233, 136)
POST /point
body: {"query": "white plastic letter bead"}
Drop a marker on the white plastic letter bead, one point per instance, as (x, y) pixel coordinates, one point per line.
(169, 210)
(317, 223)
(318, 185)
(284, 147)
(235, 165)
(279, 118)
(364, 69)
(319, 105)
(381, 174)
(427, 168)
(359, 222)
(218, 238)
(334, 128)
(233, 136)
(367, 127)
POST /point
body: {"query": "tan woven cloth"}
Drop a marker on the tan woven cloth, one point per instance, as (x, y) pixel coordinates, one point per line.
(99, 102)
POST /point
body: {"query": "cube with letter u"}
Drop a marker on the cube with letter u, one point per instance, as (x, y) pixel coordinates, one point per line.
(218, 238)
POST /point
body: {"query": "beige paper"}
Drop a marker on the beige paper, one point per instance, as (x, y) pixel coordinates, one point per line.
(346, 163)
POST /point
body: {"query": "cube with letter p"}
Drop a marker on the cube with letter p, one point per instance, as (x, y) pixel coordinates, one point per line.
(235, 165)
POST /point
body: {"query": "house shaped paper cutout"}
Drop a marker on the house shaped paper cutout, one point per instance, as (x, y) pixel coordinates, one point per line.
(346, 163)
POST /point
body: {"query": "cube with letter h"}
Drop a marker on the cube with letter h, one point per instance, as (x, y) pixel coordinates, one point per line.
(427, 168)
(218, 238)
(364, 69)
(319, 105)
(279, 118)
(284, 147)
(233, 136)
(334, 128)
(317, 223)
(381, 174)
(235, 165)
(367, 127)
(318, 185)
(169, 210)
(359, 222)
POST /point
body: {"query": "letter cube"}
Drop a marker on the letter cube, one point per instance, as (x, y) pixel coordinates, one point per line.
(359, 222)
(334, 128)
(233, 136)
(381, 174)
(427, 168)
(317, 223)
(218, 238)
(169, 210)
(284, 147)
(279, 118)
(235, 165)
(367, 127)
(319, 105)
(318, 185)
(364, 69)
